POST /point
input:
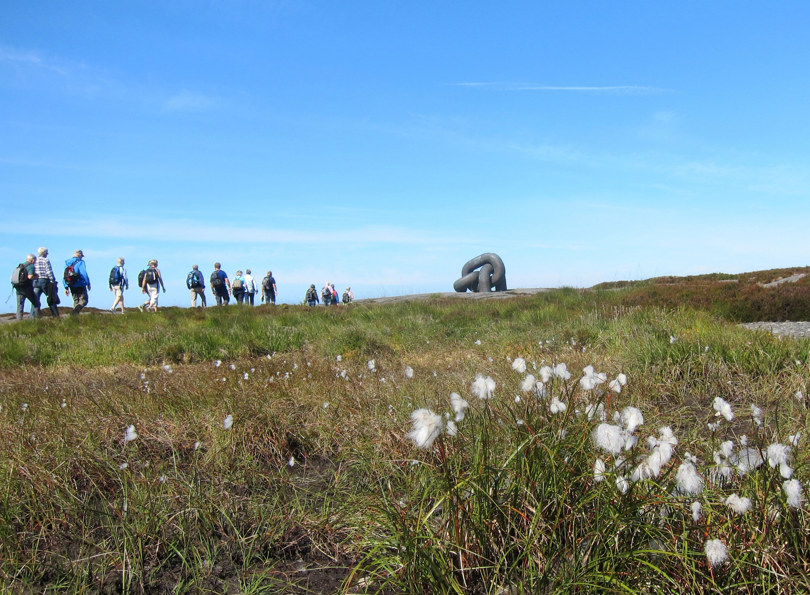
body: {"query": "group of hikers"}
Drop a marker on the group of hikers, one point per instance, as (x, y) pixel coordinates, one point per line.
(243, 287)
(329, 295)
(35, 277)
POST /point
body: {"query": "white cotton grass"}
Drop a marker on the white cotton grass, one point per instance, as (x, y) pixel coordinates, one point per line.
(519, 365)
(561, 371)
(483, 387)
(716, 552)
(426, 428)
(738, 504)
(778, 454)
(697, 509)
(529, 384)
(371, 365)
(632, 418)
(591, 379)
(747, 460)
(688, 480)
(459, 406)
(596, 411)
(793, 493)
(722, 471)
(618, 383)
(227, 423)
(722, 407)
(546, 374)
(130, 433)
(661, 450)
(599, 470)
(756, 415)
(611, 438)
(556, 406)
(408, 372)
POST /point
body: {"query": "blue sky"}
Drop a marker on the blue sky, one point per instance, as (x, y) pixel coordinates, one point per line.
(383, 144)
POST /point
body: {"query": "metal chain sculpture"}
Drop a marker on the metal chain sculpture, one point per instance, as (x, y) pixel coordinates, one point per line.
(491, 273)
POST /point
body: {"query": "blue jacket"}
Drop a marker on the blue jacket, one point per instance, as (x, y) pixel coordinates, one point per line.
(78, 266)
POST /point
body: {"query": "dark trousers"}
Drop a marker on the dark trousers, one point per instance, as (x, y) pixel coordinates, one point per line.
(47, 287)
(80, 299)
(26, 292)
(221, 295)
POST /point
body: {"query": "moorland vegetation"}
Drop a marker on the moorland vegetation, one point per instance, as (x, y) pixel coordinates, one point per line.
(627, 438)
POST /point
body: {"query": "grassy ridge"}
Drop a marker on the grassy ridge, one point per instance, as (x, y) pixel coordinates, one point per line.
(315, 487)
(740, 298)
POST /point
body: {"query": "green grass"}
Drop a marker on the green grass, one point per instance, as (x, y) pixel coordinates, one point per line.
(316, 489)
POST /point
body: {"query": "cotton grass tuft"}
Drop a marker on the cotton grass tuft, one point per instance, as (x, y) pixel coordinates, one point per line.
(716, 552)
(426, 428)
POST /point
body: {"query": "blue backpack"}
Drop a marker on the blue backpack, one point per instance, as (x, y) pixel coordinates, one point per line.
(193, 280)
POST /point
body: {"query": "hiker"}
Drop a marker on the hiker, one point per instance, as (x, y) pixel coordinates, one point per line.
(77, 282)
(238, 287)
(348, 296)
(220, 285)
(250, 287)
(24, 285)
(196, 285)
(269, 289)
(118, 283)
(326, 293)
(45, 282)
(151, 283)
(312, 296)
(335, 300)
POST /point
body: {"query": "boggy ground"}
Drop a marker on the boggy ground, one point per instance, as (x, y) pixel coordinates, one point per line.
(297, 495)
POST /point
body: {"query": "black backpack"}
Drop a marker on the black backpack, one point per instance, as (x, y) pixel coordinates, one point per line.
(20, 276)
(216, 280)
(150, 275)
(266, 285)
(116, 278)
(145, 273)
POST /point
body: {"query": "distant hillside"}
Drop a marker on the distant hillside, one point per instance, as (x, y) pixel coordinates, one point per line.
(774, 295)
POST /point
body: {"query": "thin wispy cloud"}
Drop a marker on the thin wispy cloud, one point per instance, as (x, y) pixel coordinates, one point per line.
(187, 101)
(595, 89)
(29, 58)
(195, 231)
